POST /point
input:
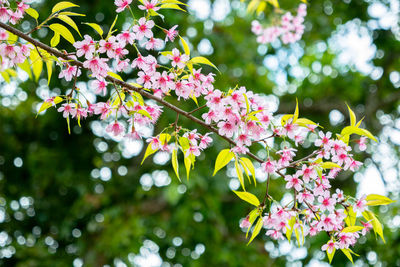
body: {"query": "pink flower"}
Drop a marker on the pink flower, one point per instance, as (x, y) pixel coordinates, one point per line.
(268, 166)
(226, 128)
(85, 47)
(360, 205)
(67, 109)
(178, 60)
(305, 196)
(108, 46)
(100, 86)
(205, 141)
(133, 135)
(122, 4)
(126, 37)
(154, 44)
(69, 72)
(143, 29)
(324, 141)
(149, 5)
(330, 246)
(115, 128)
(362, 143)
(327, 203)
(293, 182)
(171, 33)
(245, 223)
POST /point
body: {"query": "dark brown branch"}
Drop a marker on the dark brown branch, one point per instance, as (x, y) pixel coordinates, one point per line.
(128, 86)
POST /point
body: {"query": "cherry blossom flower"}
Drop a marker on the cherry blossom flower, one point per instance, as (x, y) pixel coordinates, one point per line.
(171, 33)
(100, 86)
(115, 128)
(85, 47)
(360, 205)
(143, 29)
(178, 60)
(67, 109)
(149, 5)
(293, 182)
(122, 4)
(330, 246)
(245, 223)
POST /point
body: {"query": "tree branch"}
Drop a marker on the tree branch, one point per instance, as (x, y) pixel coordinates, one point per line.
(71, 61)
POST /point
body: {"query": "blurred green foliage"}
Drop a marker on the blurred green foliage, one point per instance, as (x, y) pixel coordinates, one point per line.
(58, 212)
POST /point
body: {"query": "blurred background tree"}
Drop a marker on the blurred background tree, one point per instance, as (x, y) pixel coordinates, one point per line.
(84, 200)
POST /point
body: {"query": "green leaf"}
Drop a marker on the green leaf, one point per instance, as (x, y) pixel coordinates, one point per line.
(96, 27)
(55, 40)
(223, 158)
(63, 31)
(376, 200)
(175, 163)
(248, 197)
(352, 229)
(376, 224)
(32, 12)
(185, 46)
(203, 60)
(329, 165)
(70, 22)
(62, 5)
(256, 230)
(149, 151)
(352, 116)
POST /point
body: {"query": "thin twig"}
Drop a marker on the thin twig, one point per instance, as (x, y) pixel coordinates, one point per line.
(196, 109)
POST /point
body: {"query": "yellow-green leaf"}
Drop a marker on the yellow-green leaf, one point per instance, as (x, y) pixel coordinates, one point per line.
(175, 163)
(70, 22)
(111, 28)
(185, 46)
(256, 230)
(149, 151)
(239, 173)
(37, 63)
(188, 164)
(62, 5)
(55, 40)
(203, 60)
(67, 13)
(249, 165)
(330, 255)
(376, 200)
(352, 229)
(172, 6)
(114, 75)
(376, 224)
(289, 230)
(296, 112)
(349, 130)
(248, 197)
(96, 27)
(252, 217)
(25, 66)
(350, 219)
(32, 12)
(49, 66)
(223, 158)
(329, 165)
(63, 31)
(352, 116)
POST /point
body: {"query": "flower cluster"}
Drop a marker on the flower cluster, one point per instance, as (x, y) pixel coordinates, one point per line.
(8, 14)
(290, 29)
(239, 115)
